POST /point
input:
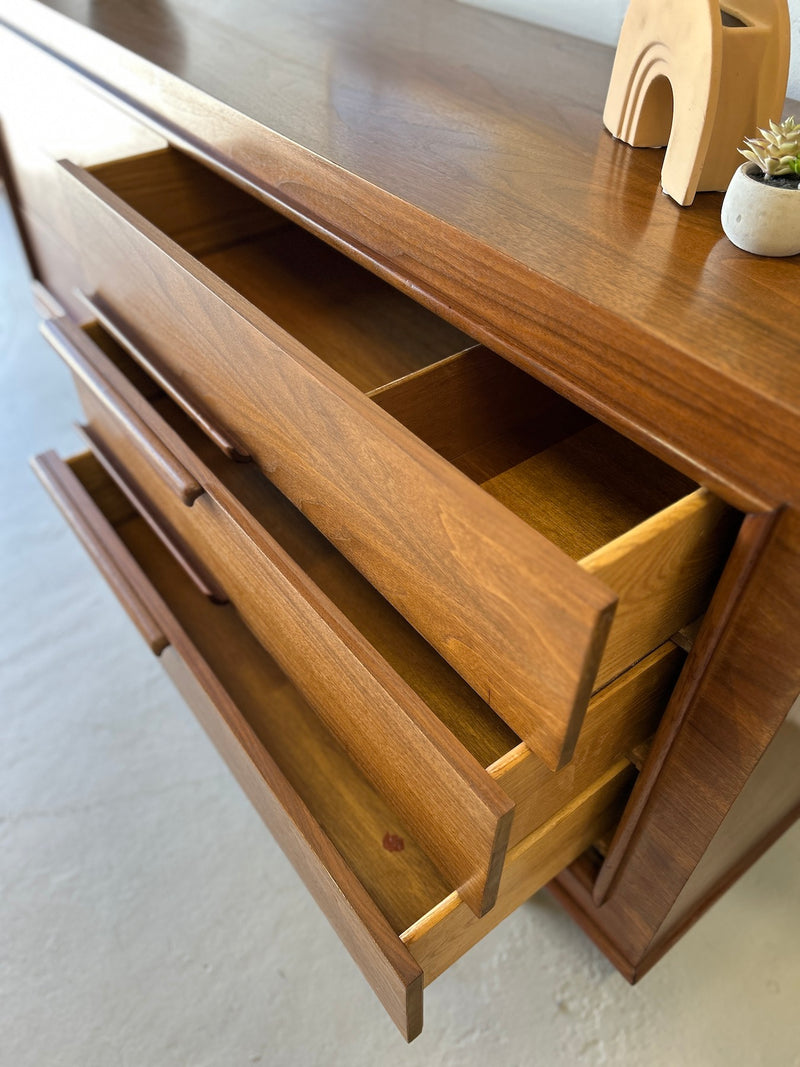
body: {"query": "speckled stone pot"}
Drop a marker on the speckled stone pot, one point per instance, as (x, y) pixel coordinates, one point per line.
(759, 219)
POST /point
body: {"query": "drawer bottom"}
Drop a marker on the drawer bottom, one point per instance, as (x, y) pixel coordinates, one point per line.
(377, 887)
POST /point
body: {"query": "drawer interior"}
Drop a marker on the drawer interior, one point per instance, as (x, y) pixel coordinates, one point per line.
(656, 538)
(619, 718)
(569, 476)
(367, 331)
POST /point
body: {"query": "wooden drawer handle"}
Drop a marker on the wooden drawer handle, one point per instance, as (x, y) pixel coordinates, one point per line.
(76, 350)
(121, 334)
(198, 575)
(46, 304)
(106, 550)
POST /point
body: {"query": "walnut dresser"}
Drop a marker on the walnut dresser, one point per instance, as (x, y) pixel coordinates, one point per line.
(451, 470)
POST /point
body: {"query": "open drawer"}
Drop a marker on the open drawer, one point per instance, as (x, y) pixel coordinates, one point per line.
(426, 741)
(376, 886)
(278, 339)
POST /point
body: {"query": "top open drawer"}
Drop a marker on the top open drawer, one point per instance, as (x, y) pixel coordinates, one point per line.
(278, 344)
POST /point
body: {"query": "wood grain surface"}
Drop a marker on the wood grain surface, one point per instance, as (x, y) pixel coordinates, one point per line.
(639, 310)
(191, 563)
(172, 384)
(134, 554)
(422, 144)
(767, 806)
(359, 325)
(479, 411)
(438, 939)
(56, 264)
(322, 811)
(70, 343)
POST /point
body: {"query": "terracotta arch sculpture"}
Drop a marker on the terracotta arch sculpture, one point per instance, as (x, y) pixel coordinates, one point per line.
(698, 77)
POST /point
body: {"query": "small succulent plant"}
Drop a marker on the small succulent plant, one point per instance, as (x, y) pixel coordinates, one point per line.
(777, 151)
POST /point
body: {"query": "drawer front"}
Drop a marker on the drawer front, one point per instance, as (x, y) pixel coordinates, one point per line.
(456, 810)
(517, 618)
(386, 905)
(390, 968)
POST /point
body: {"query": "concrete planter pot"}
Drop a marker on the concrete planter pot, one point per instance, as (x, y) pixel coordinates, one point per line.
(761, 219)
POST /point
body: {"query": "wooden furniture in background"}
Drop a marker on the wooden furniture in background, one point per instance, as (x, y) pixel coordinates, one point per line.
(403, 438)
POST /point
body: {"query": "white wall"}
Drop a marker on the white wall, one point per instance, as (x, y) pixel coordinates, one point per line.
(601, 20)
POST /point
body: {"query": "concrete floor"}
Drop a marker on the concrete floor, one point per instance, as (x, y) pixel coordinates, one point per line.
(147, 919)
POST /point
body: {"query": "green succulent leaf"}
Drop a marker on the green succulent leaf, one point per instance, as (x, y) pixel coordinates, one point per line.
(777, 150)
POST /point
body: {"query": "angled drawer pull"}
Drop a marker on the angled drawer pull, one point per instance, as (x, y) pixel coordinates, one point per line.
(359, 860)
(99, 539)
(80, 355)
(194, 570)
(125, 337)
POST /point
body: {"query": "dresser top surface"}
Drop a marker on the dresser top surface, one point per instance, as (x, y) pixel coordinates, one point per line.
(494, 127)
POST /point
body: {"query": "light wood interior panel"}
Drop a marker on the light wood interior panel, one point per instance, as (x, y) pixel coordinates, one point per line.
(480, 412)
(588, 489)
(187, 201)
(366, 330)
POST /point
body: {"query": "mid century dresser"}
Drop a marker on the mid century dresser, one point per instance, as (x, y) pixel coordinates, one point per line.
(450, 469)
